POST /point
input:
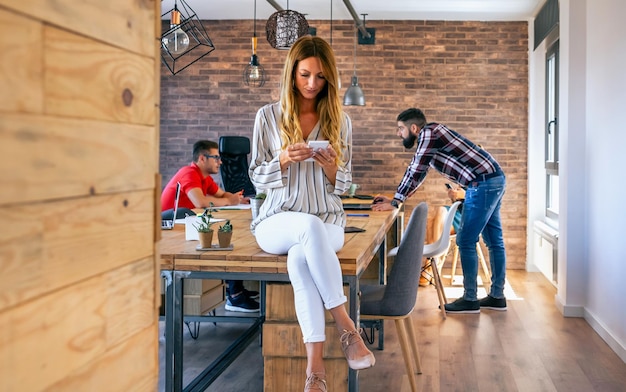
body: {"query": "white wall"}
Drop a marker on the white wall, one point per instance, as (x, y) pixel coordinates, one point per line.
(573, 164)
(592, 254)
(605, 132)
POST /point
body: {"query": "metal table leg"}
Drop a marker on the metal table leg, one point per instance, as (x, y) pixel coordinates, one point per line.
(353, 284)
(173, 331)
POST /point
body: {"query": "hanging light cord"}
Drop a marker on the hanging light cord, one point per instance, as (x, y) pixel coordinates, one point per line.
(356, 37)
(331, 22)
(254, 18)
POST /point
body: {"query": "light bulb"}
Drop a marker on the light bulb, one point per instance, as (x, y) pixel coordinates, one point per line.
(177, 41)
(255, 73)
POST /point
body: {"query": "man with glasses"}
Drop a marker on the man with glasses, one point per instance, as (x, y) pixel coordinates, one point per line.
(199, 190)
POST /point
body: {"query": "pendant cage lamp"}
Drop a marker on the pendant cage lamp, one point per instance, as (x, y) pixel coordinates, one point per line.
(284, 27)
(254, 74)
(354, 95)
(186, 41)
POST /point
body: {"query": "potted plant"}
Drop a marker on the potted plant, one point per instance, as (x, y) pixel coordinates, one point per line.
(225, 234)
(205, 232)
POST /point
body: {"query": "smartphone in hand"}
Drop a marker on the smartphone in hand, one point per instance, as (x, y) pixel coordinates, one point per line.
(316, 145)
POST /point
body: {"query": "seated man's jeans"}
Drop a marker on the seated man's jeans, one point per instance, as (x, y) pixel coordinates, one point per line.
(481, 215)
(234, 287)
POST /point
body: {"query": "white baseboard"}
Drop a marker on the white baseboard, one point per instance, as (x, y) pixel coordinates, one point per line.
(568, 310)
(579, 311)
(605, 334)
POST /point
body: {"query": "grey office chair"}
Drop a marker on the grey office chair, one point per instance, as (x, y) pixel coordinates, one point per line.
(396, 300)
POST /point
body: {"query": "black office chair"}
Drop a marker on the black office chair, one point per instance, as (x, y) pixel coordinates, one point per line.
(234, 151)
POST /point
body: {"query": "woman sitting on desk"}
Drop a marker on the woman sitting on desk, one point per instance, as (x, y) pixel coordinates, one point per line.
(302, 215)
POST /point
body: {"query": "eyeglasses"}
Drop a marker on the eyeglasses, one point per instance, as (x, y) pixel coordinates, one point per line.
(216, 157)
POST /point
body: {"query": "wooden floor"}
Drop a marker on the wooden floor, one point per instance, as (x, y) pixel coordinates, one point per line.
(530, 347)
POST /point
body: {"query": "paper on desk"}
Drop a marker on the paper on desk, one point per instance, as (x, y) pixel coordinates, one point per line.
(237, 207)
(191, 234)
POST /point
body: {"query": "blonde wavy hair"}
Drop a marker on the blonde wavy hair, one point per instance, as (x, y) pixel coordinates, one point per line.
(328, 101)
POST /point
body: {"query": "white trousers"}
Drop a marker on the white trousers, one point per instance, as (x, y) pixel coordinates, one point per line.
(311, 247)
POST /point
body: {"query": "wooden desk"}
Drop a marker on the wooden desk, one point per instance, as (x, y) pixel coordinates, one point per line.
(180, 260)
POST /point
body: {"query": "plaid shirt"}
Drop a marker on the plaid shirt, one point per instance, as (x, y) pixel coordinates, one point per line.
(451, 154)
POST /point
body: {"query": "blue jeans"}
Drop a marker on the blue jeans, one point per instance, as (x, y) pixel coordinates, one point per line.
(481, 215)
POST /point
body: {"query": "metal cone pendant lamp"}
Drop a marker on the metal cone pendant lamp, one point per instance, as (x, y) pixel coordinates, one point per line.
(354, 95)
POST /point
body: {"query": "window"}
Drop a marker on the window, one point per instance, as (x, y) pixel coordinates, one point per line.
(552, 131)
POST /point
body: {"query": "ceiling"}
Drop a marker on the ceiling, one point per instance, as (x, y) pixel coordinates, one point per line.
(482, 10)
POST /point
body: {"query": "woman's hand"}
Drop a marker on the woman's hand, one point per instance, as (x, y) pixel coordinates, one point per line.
(296, 152)
(325, 157)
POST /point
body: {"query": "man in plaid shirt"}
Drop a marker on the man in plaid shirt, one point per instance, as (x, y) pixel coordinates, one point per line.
(474, 169)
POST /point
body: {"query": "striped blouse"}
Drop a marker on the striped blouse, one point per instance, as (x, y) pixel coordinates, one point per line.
(448, 152)
(303, 186)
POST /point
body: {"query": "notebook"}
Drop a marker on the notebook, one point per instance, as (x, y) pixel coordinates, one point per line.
(357, 206)
(167, 224)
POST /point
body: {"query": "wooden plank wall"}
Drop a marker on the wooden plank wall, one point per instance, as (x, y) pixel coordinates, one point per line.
(79, 151)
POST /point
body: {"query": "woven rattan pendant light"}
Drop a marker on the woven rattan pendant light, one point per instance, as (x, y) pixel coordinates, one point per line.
(284, 27)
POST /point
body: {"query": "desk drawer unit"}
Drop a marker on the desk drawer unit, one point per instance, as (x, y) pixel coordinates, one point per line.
(200, 296)
(284, 354)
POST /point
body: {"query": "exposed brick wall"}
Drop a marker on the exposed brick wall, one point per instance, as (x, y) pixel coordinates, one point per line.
(471, 76)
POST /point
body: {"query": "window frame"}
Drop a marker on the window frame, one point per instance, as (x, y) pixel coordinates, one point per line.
(552, 130)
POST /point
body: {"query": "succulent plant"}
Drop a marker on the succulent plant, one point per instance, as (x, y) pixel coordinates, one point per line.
(227, 227)
(205, 221)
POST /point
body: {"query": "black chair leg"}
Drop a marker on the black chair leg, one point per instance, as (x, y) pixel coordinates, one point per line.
(372, 326)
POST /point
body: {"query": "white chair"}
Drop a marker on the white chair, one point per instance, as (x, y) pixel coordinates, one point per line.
(438, 251)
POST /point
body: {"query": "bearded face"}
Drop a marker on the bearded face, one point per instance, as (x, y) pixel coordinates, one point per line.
(409, 141)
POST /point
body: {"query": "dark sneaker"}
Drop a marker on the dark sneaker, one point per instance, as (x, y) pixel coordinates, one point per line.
(251, 293)
(463, 306)
(241, 303)
(492, 303)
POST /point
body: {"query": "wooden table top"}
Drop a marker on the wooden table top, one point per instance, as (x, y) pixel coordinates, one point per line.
(246, 256)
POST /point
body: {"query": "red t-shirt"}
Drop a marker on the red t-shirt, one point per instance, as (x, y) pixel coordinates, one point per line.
(189, 177)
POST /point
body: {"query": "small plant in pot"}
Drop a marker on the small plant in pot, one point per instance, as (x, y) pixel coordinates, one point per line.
(225, 234)
(205, 232)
